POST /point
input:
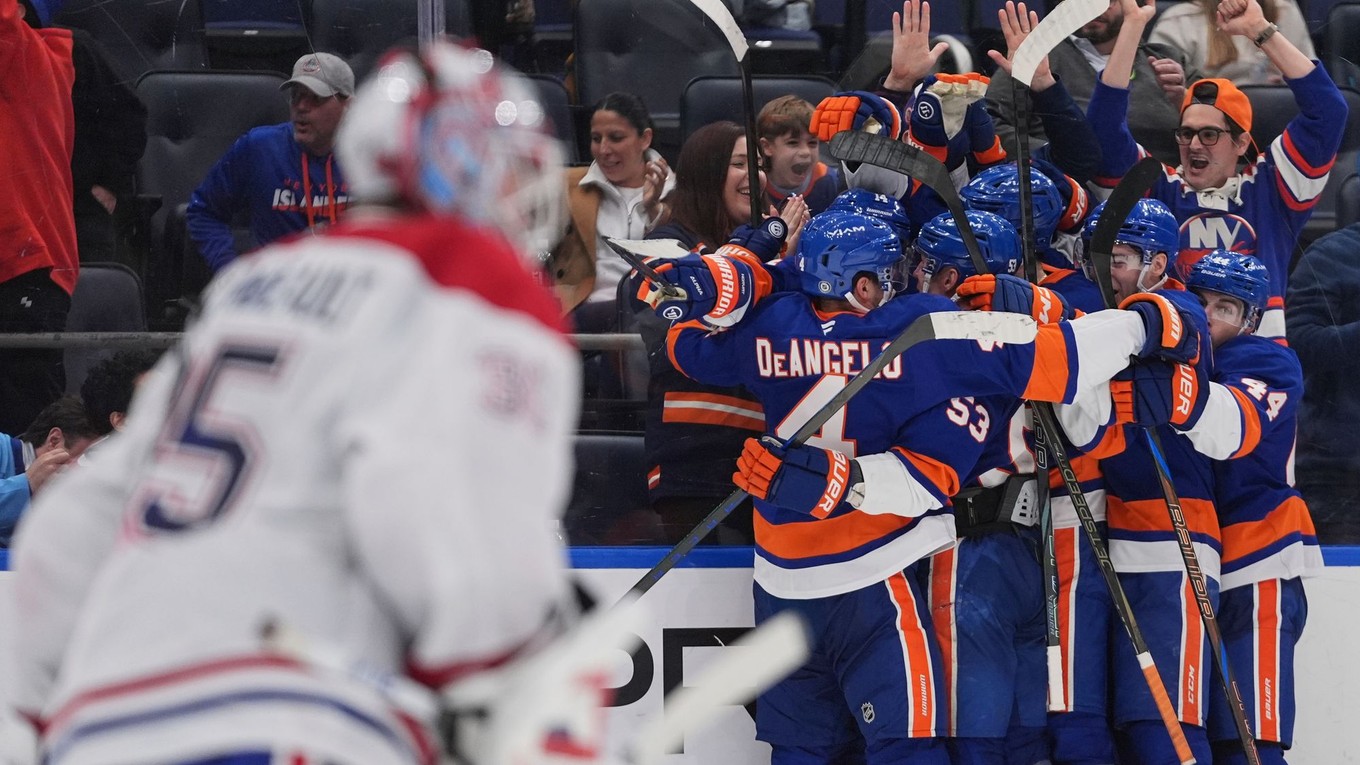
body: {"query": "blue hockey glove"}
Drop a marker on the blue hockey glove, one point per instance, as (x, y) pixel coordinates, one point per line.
(855, 110)
(1076, 199)
(1171, 335)
(1011, 294)
(802, 478)
(719, 288)
(764, 243)
(948, 120)
(1152, 393)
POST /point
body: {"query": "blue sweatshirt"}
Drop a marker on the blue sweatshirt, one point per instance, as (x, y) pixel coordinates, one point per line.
(264, 174)
(14, 493)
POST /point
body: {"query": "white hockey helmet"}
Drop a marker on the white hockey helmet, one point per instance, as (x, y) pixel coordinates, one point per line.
(448, 131)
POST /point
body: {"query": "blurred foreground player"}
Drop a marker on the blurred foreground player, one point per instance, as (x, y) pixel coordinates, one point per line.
(334, 453)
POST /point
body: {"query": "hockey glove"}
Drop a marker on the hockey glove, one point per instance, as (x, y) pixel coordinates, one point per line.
(1153, 393)
(942, 107)
(765, 243)
(719, 288)
(801, 478)
(1171, 335)
(855, 110)
(1011, 294)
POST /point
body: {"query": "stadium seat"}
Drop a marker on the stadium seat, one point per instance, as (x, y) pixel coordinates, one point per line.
(192, 119)
(649, 48)
(558, 106)
(1340, 48)
(609, 496)
(710, 99)
(360, 31)
(1348, 200)
(140, 35)
(107, 298)
(254, 34)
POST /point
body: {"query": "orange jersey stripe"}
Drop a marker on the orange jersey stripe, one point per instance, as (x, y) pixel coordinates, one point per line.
(1267, 670)
(940, 475)
(1085, 466)
(1151, 515)
(943, 583)
(1289, 517)
(1048, 380)
(1065, 543)
(828, 536)
(673, 334)
(712, 409)
(916, 655)
(1192, 658)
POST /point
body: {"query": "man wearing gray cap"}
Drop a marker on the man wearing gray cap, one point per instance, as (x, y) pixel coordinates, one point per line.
(283, 175)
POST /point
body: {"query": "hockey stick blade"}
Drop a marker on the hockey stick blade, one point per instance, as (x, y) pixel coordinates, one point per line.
(761, 658)
(900, 157)
(668, 291)
(1133, 186)
(718, 12)
(949, 325)
(1065, 19)
(721, 16)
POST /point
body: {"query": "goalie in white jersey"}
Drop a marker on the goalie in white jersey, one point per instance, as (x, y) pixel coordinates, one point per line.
(338, 450)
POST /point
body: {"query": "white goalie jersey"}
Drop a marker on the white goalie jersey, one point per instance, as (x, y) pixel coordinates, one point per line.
(363, 442)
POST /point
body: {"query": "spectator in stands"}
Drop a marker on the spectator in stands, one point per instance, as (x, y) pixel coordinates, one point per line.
(1324, 329)
(284, 176)
(108, 388)
(695, 432)
(620, 196)
(58, 436)
(38, 260)
(1194, 27)
(1227, 192)
(1155, 92)
(110, 138)
(789, 154)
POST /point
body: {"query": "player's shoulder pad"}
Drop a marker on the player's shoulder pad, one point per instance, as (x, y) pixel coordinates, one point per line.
(1261, 358)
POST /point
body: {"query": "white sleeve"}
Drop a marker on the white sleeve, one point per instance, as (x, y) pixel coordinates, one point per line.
(65, 538)
(460, 469)
(1085, 418)
(1105, 340)
(1219, 433)
(889, 488)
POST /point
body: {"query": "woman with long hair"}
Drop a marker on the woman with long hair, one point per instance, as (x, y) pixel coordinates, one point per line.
(1193, 27)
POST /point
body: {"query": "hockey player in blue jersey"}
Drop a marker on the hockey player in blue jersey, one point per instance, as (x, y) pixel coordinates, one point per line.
(1246, 422)
(986, 595)
(844, 522)
(1227, 192)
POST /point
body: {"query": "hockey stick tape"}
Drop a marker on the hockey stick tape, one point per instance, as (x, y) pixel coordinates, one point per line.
(1065, 19)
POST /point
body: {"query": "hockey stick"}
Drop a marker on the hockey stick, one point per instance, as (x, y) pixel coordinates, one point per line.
(758, 660)
(668, 291)
(718, 12)
(898, 156)
(1206, 607)
(1004, 328)
(1062, 21)
(1057, 689)
(1133, 186)
(1151, 676)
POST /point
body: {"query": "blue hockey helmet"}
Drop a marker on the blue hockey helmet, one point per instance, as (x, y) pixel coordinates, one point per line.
(1236, 275)
(940, 244)
(835, 247)
(1149, 228)
(881, 206)
(997, 190)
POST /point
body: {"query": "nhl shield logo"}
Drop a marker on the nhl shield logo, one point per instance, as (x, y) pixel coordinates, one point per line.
(672, 312)
(867, 710)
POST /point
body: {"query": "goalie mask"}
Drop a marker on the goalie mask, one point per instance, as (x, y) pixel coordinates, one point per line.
(836, 247)
(446, 131)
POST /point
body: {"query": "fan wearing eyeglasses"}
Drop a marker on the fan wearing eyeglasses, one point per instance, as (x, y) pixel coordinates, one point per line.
(1229, 192)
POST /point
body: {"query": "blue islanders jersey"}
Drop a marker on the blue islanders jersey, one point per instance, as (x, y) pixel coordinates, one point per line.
(1260, 211)
(795, 358)
(1250, 425)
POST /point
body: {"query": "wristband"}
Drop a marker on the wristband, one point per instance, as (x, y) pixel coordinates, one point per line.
(1266, 34)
